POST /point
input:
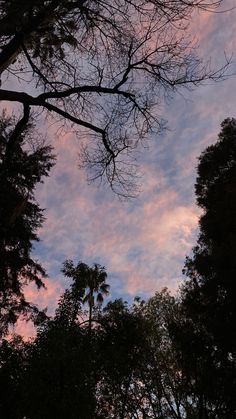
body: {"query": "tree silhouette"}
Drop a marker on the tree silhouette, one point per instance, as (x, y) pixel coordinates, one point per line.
(65, 355)
(90, 281)
(129, 366)
(88, 59)
(13, 354)
(57, 381)
(22, 167)
(209, 293)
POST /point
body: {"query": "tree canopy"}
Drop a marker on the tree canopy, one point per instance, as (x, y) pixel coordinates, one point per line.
(147, 359)
(24, 161)
(124, 367)
(103, 66)
(212, 268)
(210, 290)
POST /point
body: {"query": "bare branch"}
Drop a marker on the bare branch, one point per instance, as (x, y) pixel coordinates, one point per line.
(106, 67)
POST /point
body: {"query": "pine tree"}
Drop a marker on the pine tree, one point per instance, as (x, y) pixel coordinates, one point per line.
(21, 169)
(209, 294)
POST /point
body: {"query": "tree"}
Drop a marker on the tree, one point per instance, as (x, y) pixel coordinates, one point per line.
(74, 371)
(142, 371)
(121, 340)
(22, 167)
(212, 268)
(165, 386)
(161, 386)
(62, 368)
(57, 381)
(209, 293)
(104, 67)
(90, 281)
(137, 364)
(12, 364)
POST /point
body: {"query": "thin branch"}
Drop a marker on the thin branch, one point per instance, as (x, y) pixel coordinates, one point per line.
(36, 69)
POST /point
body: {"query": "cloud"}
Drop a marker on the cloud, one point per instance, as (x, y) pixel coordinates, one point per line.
(142, 243)
(43, 298)
(143, 239)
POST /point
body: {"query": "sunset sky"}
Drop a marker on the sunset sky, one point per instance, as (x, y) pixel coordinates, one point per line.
(141, 242)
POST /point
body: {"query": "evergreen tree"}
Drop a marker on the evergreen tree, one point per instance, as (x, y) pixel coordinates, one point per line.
(13, 355)
(21, 169)
(209, 294)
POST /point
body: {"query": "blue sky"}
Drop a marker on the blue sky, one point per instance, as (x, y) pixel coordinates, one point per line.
(141, 242)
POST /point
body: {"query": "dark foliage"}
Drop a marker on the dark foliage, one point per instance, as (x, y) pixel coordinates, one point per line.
(21, 169)
(154, 359)
(127, 366)
(212, 268)
(209, 294)
(56, 383)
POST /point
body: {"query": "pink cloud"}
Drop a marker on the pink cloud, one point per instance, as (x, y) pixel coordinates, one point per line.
(43, 298)
(142, 243)
(157, 226)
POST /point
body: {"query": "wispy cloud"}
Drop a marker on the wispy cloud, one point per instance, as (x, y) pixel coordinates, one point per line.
(142, 243)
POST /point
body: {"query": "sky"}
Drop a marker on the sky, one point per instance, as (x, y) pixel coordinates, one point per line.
(142, 242)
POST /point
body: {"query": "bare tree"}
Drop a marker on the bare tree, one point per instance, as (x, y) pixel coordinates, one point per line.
(105, 66)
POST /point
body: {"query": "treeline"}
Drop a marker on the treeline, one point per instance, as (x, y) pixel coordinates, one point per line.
(101, 75)
(127, 364)
(104, 67)
(167, 357)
